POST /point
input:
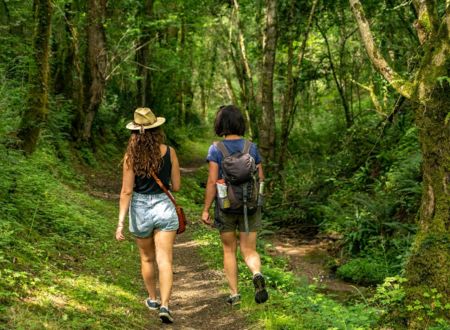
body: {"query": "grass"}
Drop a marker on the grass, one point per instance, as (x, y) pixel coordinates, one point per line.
(59, 263)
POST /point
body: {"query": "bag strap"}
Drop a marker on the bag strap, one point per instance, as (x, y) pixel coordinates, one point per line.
(221, 146)
(161, 185)
(247, 145)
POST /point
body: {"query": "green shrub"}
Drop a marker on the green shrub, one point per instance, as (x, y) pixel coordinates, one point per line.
(364, 271)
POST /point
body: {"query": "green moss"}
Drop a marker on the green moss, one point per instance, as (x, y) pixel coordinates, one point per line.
(428, 269)
(425, 22)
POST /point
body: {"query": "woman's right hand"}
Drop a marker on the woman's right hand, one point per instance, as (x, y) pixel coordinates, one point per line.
(206, 219)
(119, 233)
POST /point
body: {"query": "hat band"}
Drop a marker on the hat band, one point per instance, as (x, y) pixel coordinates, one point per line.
(141, 127)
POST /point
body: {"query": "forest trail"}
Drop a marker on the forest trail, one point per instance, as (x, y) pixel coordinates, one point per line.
(197, 300)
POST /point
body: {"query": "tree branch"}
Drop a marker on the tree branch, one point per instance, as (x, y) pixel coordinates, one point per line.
(427, 22)
(400, 84)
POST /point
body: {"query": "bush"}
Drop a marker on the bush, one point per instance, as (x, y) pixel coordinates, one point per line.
(364, 271)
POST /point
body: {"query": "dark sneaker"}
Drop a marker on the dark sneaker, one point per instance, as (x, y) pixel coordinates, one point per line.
(165, 315)
(153, 305)
(234, 300)
(261, 294)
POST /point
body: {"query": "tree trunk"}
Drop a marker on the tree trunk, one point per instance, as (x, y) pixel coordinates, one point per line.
(37, 108)
(245, 76)
(95, 69)
(63, 78)
(144, 86)
(267, 131)
(247, 100)
(428, 267)
(288, 110)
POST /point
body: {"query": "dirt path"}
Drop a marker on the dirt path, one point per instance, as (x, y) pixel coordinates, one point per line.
(197, 300)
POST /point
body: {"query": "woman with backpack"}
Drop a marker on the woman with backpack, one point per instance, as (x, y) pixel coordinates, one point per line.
(236, 163)
(153, 220)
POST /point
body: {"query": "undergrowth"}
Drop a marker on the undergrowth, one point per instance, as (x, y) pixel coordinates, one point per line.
(293, 304)
(60, 267)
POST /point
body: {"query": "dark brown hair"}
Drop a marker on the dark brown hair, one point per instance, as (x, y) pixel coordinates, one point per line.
(229, 120)
(143, 153)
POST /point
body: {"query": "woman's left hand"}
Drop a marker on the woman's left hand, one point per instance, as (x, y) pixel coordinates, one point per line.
(119, 233)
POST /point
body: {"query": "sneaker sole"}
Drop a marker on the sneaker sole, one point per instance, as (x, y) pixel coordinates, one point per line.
(261, 294)
(151, 308)
(165, 318)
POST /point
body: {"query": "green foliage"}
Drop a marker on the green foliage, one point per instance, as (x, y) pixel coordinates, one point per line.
(293, 304)
(365, 271)
(430, 309)
(364, 186)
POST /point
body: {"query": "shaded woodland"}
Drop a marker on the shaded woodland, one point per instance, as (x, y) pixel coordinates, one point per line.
(348, 102)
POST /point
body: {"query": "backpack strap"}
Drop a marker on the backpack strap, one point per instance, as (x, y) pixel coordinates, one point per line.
(221, 146)
(247, 146)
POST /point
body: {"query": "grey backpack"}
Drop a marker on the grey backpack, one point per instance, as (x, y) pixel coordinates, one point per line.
(242, 180)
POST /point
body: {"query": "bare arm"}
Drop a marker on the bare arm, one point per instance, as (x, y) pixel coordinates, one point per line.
(260, 172)
(210, 192)
(175, 176)
(125, 197)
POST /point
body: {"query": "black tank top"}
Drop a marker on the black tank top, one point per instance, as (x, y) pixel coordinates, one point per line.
(145, 185)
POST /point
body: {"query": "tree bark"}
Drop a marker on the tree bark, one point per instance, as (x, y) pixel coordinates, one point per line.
(428, 266)
(144, 86)
(267, 131)
(95, 70)
(288, 110)
(37, 109)
(245, 75)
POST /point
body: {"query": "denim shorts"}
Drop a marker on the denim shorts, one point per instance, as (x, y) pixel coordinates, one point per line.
(151, 212)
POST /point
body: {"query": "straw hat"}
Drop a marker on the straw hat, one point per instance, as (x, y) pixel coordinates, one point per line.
(144, 118)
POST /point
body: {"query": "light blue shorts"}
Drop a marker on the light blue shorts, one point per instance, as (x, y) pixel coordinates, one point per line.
(151, 212)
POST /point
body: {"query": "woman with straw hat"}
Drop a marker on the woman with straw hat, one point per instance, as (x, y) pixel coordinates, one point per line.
(152, 220)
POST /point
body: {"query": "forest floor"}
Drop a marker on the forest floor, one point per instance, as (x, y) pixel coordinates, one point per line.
(198, 300)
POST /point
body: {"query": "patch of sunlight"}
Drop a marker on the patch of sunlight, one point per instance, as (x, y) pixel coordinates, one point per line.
(76, 302)
(93, 287)
(83, 294)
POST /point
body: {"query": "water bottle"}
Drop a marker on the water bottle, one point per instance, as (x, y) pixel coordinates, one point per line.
(261, 194)
(222, 194)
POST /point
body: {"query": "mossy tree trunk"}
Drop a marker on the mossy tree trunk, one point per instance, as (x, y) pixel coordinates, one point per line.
(37, 104)
(292, 84)
(143, 54)
(239, 57)
(267, 131)
(428, 267)
(95, 70)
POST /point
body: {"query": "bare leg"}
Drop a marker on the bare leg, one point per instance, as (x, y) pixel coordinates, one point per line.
(248, 250)
(164, 247)
(147, 252)
(229, 243)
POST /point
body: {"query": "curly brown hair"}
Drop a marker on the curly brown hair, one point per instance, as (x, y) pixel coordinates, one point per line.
(143, 153)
